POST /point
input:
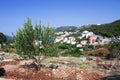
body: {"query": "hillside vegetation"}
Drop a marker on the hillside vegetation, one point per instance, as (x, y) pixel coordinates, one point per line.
(109, 29)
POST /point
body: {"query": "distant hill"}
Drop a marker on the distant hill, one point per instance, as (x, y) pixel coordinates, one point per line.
(9, 37)
(109, 29)
(66, 28)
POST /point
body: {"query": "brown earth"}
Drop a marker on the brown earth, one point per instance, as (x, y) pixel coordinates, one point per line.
(16, 71)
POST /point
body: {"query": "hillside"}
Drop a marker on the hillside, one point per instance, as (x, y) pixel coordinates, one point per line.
(109, 29)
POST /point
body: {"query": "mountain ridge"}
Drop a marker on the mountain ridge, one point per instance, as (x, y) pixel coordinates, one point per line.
(66, 28)
(108, 29)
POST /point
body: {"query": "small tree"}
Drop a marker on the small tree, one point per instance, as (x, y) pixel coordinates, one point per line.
(24, 41)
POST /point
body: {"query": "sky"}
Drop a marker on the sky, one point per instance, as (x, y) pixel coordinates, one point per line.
(56, 13)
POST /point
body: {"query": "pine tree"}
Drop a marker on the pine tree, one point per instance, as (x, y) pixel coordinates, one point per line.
(24, 40)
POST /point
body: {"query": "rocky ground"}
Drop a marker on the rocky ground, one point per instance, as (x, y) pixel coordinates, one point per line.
(52, 68)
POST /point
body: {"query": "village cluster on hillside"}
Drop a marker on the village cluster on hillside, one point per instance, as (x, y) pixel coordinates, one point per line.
(85, 38)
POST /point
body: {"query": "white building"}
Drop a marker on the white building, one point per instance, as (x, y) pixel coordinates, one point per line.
(84, 42)
(59, 33)
(59, 38)
(65, 40)
(86, 34)
(79, 45)
(73, 42)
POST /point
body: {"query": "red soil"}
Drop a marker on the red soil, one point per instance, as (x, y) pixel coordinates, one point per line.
(14, 70)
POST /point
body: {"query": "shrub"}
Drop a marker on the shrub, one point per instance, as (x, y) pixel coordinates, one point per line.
(75, 52)
(63, 46)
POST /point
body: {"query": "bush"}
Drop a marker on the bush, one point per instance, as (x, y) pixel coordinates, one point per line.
(75, 52)
(63, 46)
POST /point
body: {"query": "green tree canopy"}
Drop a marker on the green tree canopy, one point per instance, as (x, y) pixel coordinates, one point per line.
(25, 37)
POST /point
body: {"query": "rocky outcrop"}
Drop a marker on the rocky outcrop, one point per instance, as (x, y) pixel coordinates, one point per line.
(53, 66)
(5, 55)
